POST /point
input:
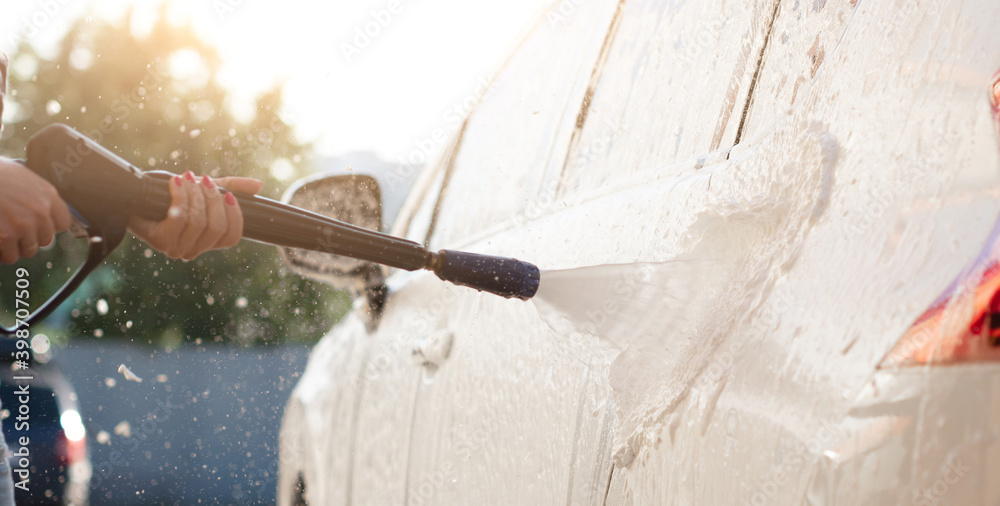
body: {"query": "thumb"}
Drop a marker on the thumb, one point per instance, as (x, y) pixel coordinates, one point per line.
(240, 184)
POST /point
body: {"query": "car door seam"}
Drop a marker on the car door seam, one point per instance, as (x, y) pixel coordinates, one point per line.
(362, 383)
(588, 96)
(581, 400)
(756, 74)
(607, 489)
(449, 171)
(409, 445)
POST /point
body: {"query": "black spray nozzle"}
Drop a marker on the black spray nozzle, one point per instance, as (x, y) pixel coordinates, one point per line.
(506, 277)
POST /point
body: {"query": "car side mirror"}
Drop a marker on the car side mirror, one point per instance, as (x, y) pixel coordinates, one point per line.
(351, 198)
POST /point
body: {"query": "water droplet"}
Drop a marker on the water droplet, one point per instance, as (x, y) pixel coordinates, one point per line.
(282, 169)
(40, 344)
(123, 429)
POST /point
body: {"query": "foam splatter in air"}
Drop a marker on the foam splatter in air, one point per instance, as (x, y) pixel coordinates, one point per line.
(129, 375)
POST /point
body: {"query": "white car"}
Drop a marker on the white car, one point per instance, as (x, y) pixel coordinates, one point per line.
(800, 198)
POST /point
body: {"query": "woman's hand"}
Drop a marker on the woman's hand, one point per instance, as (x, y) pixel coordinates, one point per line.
(31, 212)
(200, 218)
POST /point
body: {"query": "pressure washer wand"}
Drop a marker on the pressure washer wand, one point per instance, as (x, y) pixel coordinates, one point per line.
(104, 190)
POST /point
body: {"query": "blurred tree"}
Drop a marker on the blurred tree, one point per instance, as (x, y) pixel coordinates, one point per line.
(153, 100)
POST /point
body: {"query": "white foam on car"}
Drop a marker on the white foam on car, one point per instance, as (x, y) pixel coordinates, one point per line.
(668, 318)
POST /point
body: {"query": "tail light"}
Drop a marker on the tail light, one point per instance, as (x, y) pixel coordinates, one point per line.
(995, 96)
(74, 437)
(963, 324)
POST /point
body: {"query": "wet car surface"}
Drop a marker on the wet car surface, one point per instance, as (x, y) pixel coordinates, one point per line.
(836, 167)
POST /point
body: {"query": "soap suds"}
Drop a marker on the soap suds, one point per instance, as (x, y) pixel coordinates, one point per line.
(668, 320)
(129, 375)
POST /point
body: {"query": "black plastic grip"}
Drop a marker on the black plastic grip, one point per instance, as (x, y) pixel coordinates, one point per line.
(506, 277)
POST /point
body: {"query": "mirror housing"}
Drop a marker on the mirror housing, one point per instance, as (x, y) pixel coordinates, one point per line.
(351, 198)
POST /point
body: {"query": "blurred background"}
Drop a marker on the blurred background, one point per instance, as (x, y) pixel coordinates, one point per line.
(273, 90)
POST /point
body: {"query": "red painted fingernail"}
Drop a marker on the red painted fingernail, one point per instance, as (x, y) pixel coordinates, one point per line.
(190, 176)
(177, 179)
(207, 181)
(230, 199)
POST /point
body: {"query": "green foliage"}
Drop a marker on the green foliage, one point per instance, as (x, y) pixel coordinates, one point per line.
(153, 100)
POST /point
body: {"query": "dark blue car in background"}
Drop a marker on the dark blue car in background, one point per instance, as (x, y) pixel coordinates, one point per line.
(58, 464)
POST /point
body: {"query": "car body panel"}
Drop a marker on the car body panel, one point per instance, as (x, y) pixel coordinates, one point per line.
(889, 242)
(838, 218)
(678, 72)
(540, 99)
(323, 412)
(801, 39)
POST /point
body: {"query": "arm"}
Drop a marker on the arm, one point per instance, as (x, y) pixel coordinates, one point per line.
(31, 212)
